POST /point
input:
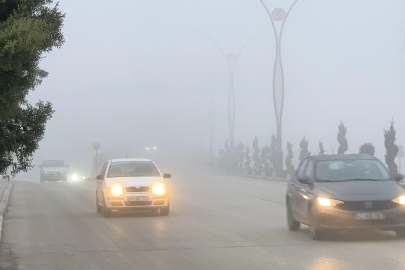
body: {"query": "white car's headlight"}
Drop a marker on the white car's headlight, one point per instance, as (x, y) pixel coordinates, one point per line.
(75, 177)
(326, 202)
(158, 189)
(116, 189)
(400, 200)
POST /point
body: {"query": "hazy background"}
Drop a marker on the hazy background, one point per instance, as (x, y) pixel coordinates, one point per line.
(136, 74)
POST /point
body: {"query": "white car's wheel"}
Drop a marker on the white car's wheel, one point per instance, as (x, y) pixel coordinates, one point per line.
(98, 206)
(104, 210)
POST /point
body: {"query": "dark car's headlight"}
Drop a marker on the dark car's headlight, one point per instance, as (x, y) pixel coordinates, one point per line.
(400, 200)
(326, 202)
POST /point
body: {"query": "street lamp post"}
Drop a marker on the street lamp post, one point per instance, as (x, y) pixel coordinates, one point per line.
(280, 15)
(231, 61)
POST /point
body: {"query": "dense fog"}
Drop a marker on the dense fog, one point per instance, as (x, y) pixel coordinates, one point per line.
(137, 74)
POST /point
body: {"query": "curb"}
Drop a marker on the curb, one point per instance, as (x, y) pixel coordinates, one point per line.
(3, 205)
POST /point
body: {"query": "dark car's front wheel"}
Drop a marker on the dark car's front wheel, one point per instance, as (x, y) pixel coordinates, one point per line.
(314, 232)
(400, 232)
(293, 225)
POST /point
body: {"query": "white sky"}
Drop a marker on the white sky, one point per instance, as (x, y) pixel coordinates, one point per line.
(137, 73)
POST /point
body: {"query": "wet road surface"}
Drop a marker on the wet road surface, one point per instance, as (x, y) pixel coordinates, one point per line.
(216, 222)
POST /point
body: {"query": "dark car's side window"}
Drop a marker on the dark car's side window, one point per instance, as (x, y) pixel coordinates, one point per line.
(309, 171)
(302, 167)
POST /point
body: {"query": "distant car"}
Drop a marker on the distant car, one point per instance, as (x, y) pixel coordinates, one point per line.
(131, 185)
(345, 192)
(53, 170)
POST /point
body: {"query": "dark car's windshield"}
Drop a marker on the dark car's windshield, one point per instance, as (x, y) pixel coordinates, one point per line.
(341, 170)
(132, 169)
(52, 163)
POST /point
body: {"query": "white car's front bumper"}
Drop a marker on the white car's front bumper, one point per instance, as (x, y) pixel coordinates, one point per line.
(136, 201)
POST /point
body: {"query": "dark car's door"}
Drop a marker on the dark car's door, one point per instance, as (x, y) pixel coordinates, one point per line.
(295, 188)
(304, 191)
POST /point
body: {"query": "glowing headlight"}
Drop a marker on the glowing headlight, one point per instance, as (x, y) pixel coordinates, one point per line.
(75, 177)
(325, 202)
(116, 189)
(399, 200)
(158, 189)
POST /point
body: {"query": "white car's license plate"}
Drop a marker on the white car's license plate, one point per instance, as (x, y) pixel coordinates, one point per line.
(364, 216)
(138, 198)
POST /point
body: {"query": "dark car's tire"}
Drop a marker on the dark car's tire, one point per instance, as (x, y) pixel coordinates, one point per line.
(104, 210)
(165, 210)
(99, 208)
(314, 232)
(293, 225)
(400, 232)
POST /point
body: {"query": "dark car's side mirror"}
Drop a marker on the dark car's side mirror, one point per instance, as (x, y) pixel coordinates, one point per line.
(304, 180)
(99, 177)
(166, 175)
(398, 177)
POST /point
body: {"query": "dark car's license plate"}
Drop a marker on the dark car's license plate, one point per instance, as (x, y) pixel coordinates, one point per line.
(365, 216)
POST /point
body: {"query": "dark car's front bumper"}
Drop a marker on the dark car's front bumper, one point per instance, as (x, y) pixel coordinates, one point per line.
(333, 218)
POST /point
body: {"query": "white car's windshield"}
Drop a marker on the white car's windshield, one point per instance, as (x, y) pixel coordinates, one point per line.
(342, 170)
(52, 163)
(132, 169)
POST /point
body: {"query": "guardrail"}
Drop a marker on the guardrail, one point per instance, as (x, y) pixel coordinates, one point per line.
(212, 165)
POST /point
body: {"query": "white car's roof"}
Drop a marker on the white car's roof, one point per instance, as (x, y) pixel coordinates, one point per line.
(129, 159)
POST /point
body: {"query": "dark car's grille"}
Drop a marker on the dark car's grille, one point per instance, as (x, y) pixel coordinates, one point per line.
(138, 203)
(367, 206)
(135, 189)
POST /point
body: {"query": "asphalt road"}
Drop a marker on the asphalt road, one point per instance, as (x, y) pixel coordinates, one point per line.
(216, 222)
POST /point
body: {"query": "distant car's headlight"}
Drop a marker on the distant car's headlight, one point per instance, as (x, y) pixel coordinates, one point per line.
(46, 172)
(158, 189)
(399, 200)
(116, 189)
(75, 177)
(325, 202)
(62, 172)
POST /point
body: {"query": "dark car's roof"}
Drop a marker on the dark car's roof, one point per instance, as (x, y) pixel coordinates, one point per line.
(340, 157)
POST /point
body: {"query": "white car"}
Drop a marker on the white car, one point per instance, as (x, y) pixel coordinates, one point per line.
(131, 184)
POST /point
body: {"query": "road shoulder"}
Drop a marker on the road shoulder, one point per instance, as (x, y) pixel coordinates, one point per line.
(5, 189)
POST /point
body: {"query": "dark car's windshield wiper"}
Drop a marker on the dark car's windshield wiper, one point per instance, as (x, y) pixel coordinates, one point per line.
(350, 180)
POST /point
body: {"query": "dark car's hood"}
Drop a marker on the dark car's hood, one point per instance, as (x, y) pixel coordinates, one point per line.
(359, 190)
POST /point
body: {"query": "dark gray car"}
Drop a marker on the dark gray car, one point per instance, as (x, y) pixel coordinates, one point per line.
(344, 192)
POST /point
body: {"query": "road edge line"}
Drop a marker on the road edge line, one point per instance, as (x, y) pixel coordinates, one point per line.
(3, 206)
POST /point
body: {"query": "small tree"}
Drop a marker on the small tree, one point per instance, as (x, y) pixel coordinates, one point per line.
(304, 149)
(240, 148)
(256, 152)
(273, 146)
(341, 137)
(391, 149)
(265, 157)
(367, 148)
(321, 149)
(248, 160)
(288, 158)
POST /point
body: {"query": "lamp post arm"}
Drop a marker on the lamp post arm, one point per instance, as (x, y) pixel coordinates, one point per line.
(272, 21)
(244, 46)
(223, 53)
(286, 17)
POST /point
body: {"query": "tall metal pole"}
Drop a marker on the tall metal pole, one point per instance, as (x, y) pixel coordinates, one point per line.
(231, 57)
(278, 14)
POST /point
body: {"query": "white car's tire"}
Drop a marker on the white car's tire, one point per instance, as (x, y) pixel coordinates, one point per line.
(104, 210)
(98, 206)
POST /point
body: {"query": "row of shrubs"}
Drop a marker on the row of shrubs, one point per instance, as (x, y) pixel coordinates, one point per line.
(262, 160)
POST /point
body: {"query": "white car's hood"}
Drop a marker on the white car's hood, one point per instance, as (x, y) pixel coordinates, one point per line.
(134, 181)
